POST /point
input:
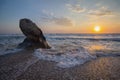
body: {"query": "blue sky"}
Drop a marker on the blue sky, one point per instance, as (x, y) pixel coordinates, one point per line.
(61, 16)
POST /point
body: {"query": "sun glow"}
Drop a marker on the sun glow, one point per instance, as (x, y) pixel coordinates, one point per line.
(97, 28)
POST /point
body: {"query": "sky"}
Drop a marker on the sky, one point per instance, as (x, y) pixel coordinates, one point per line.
(61, 16)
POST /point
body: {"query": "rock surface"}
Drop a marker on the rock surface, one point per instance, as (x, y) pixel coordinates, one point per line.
(34, 35)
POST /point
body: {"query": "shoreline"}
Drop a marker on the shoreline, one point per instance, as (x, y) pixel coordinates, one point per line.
(24, 65)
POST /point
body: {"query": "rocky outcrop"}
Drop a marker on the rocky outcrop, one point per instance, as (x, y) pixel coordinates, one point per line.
(34, 35)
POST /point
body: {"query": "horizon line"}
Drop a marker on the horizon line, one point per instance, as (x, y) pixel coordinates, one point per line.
(55, 33)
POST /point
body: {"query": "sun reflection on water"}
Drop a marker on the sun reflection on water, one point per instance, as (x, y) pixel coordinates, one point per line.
(97, 47)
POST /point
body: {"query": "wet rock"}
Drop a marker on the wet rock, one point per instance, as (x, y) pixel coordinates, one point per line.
(34, 35)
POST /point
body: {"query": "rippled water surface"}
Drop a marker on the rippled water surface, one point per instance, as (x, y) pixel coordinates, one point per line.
(68, 49)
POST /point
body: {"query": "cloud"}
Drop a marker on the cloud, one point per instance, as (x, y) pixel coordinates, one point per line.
(75, 8)
(51, 18)
(63, 21)
(100, 12)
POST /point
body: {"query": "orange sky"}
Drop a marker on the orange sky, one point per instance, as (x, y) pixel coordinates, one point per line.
(61, 16)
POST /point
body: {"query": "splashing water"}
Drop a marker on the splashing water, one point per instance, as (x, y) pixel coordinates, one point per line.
(68, 50)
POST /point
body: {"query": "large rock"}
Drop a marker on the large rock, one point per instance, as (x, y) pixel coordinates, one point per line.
(34, 36)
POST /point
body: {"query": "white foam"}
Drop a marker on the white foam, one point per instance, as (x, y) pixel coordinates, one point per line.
(66, 58)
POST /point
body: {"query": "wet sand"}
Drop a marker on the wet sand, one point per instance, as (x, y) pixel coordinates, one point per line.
(24, 65)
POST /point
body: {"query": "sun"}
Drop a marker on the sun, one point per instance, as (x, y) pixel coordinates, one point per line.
(97, 28)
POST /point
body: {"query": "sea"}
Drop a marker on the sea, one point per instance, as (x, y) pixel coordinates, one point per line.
(67, 50)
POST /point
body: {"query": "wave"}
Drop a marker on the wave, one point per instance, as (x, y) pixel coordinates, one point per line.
(91, 39)
(66, 43)
(65, 59)
(69, 57)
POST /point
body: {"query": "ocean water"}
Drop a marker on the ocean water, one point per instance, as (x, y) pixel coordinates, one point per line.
(8, 43)
(68, 50)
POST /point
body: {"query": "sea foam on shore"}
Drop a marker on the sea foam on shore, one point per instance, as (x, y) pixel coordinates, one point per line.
(65, 57)
(68, 49)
